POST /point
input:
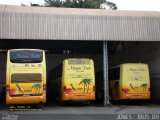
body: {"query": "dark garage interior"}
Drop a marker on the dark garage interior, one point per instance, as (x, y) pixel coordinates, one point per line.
(56, 52)
(118, 52)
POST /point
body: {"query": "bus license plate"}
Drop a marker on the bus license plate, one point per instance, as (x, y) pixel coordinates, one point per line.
(80, 97)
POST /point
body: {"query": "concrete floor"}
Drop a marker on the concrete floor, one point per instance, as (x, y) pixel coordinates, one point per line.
(114, 109)
(84, 112)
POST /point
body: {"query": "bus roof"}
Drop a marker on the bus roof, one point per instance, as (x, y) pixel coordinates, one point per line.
(122, 64)
(25, 49)
(77, 58)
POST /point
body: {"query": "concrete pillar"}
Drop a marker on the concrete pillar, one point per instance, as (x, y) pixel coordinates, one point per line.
(105, 74)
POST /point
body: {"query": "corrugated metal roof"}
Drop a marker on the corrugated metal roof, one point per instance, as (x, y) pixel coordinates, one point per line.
(74, 11)
(19, 22)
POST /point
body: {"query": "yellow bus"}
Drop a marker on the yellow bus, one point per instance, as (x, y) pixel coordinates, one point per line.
(26, 76)
(73, 80)
(129, 81)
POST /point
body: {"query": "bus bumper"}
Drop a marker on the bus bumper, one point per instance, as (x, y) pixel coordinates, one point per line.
(135, 96)
(75, 97)
(25, 99)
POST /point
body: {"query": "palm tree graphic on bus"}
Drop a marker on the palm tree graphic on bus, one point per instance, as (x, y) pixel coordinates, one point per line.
(85, 82)
(37, 87)
(144, 86)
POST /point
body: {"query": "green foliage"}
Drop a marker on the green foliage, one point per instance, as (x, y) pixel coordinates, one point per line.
(74, 3)
(32, 4)
(96, 3)
(37, 5)
(53, 3)
(111, 5)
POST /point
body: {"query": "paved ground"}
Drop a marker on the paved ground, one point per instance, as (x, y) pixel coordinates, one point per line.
(113, 109)
(83, 112)
(89, 110)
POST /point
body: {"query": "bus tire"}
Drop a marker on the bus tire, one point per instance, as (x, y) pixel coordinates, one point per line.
(40, 105)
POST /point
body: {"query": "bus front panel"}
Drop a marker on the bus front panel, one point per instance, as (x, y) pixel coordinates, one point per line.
(135, 81)
(78, 81)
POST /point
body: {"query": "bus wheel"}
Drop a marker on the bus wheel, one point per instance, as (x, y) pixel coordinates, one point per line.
(40, 105)
(64, 103)
(10, 107)
(58, 100)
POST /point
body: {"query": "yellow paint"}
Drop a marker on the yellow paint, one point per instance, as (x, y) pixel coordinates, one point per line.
(79, 70)
(27, 93)
(134, 82)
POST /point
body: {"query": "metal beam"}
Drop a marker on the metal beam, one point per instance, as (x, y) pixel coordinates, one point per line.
(105, 74)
